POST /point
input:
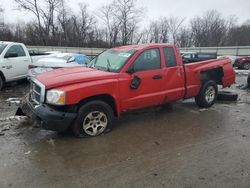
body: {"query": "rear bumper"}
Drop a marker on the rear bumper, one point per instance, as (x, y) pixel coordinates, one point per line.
(51, 119)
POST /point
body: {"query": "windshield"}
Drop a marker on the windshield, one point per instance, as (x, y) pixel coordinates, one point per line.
(111, 60)
(2, 47)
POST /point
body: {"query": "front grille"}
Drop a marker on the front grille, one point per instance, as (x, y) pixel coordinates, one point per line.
(37, 91)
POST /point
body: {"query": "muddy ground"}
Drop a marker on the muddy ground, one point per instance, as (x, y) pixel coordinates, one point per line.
(178, 146)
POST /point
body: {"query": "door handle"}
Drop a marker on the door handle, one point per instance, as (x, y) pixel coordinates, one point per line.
(157, 77)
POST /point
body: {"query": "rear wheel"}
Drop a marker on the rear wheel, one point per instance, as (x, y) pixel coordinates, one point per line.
(93, 119)
(207, 95)
(246, 66)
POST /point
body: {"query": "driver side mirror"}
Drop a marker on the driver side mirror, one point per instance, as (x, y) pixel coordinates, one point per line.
(136, 82)
(11, 55)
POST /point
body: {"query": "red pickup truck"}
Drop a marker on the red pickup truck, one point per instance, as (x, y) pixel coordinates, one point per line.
(87, 99)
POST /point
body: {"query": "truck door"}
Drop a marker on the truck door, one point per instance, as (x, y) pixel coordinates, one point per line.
(15, 63)
(143, 86)
(173, 76)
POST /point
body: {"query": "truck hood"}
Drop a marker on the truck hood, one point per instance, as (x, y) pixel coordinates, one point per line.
(67, 76)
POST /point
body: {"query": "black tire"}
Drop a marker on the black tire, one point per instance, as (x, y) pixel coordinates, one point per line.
(1, 83)
(202, 100)
(246, 66)
(227, 96)
(91, 109)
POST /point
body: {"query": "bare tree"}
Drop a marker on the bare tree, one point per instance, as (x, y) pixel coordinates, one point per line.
(209, 30)
(129, 16)
(64, 24)
(112, 23)
(33, 6)
(184, 37)
(83, 24)
(157, 32)
(48, 14)
(154, 30)
(44, 12)
(174, 24)
(1, 17)
(239, 35)
(56, 24)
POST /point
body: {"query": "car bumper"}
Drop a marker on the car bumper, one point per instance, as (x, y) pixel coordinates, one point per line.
(51, 119)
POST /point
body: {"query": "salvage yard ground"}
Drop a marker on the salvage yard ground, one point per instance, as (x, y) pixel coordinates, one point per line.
(178, 145)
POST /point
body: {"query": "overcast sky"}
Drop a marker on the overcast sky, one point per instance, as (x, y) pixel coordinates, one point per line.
(154, 8)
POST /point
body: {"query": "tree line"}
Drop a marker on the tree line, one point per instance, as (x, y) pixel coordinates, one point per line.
(120, 23)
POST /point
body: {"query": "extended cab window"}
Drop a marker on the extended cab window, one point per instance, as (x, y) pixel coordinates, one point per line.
(16, 49)
(170, 57)
(148, 60)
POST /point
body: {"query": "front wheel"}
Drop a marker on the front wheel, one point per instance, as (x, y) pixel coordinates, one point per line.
(208, 94)
(93, 119)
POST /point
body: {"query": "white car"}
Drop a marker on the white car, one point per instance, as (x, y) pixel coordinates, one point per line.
(55, 61)
(14, 61)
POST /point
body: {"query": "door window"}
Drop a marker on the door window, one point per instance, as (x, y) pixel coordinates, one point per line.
(148, 60)
(170, 57)
(17, 49)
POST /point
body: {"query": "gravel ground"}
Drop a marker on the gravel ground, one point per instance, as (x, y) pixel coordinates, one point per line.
(178, 145)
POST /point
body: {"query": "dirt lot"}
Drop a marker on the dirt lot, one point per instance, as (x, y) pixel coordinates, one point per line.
(176, 146)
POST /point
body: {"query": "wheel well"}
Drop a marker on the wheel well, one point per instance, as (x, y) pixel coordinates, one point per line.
(105, 98)
(213, 74)
(2, 76)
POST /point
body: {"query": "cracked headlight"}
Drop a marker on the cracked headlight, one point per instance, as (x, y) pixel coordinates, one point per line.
(56, 97)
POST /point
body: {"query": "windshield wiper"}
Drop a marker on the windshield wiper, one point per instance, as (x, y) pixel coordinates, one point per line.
(92, 65)
(108, 65)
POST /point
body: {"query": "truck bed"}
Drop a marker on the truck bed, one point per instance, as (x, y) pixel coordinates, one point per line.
(194, 72)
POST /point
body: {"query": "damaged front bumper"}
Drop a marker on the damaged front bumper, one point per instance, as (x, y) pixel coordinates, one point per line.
(46, 116)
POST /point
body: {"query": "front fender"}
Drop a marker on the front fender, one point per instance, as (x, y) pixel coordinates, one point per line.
(76, 93)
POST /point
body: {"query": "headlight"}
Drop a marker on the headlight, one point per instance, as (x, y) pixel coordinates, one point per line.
(56, 97)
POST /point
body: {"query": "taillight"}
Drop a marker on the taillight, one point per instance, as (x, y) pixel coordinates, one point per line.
(31, 66)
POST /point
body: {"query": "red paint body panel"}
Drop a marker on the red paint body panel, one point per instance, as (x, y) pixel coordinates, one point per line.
(67, 76)
(181, 81)
(243, 60)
